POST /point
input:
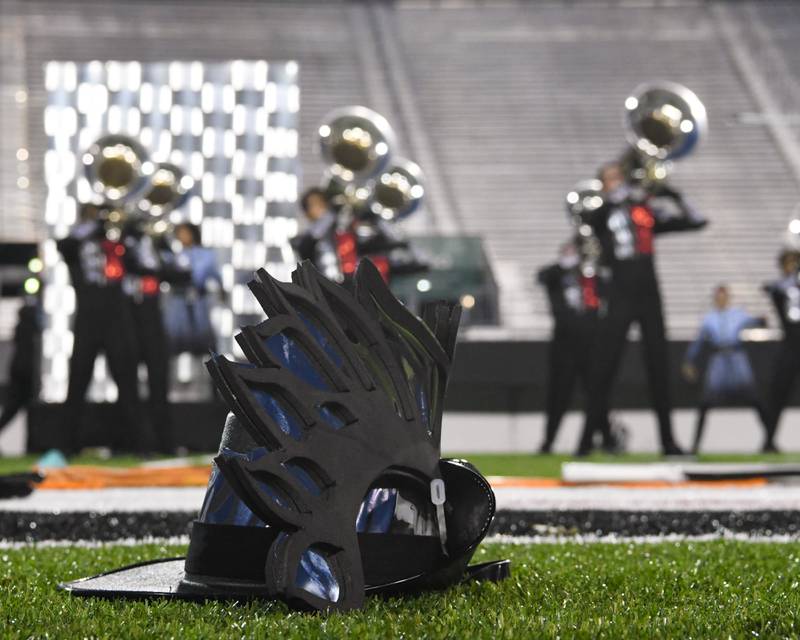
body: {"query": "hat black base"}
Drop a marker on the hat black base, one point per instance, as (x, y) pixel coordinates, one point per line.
(167, 579)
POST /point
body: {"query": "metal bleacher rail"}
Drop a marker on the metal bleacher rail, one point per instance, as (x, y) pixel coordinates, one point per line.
(508, 104)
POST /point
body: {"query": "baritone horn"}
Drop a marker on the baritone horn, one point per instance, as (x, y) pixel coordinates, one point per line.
(663, 122)
(397, 191)
(116, 167)
(167, 189)
(356, 142)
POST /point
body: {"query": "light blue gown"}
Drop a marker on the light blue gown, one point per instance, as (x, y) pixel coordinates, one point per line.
(728, 374)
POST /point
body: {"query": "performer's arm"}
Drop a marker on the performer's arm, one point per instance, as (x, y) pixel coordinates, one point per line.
(171, 270)
(304, 243)
(548, 276)
(687, 218)
(69, 247)
(693, 352)
(689, 367)
(753, 322)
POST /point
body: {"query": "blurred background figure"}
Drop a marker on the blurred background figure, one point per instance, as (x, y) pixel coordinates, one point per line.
(728, 378)
(575, 304)
(626, 225)
(23, 380)
(152, 263)
(318, 241)
(188, 314)
(576, 286)
(103, 323)
(785, 295)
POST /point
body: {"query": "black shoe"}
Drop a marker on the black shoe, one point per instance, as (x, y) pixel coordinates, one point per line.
(546, 448)
(582, 452)
(769, 447)
(673, 450)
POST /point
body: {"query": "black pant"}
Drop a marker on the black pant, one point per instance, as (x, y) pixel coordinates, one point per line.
(787, 368)
(624, 308)
(152, 350)
(702, 410)
(569, 361)
(19, 394)
(104, 323)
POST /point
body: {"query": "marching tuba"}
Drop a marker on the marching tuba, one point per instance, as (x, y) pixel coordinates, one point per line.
(356, 142)
(397, 191)
(582, 201)
(167, 189)
(116, 167)
(663, 123)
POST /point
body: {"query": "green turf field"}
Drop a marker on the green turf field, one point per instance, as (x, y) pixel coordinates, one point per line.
(489, 464)
(679, 590)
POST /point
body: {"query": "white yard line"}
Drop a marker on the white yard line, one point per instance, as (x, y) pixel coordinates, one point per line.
(149, 499)
(767, 498)
(496, 539)
(612, 538)
(93, 544)
(188, 500)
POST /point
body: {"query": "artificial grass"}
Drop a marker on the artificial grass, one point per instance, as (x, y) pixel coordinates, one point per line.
(500, 464)
(677, 590)
(549, 466)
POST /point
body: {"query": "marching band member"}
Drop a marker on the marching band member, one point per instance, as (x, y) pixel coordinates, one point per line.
(785, 294)
(150, 263)
(626, 226)
(103, 323)
(576, 306)
(318, 242)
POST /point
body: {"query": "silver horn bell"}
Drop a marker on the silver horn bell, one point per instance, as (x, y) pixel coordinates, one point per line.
(167, 189)
(116, 167)
(356, 142)
(664, 120)
(397, 191)
(583, 200)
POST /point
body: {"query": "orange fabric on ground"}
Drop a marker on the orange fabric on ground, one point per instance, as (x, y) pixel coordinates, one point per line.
(88, 477)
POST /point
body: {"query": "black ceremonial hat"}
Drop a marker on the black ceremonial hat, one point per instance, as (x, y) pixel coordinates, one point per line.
(328, 484)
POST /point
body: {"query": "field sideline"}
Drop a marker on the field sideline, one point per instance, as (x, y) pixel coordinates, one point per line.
(684, 589)
(518, 464)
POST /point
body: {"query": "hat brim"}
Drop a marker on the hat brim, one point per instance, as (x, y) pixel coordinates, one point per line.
(161, 578)
(167, 579)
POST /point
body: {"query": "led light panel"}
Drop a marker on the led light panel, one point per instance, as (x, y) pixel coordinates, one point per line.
(231, 125)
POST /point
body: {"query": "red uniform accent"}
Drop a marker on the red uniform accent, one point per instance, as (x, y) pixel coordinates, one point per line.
(382, 264)
(589, 289)
(347, 251)
(643, 219)
(114, 269)
(150, 285)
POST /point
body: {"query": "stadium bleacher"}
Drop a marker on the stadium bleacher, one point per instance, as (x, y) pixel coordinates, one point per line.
(504, 119)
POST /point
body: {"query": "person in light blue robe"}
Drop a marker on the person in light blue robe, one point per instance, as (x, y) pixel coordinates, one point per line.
(187, 316)
(728, 375)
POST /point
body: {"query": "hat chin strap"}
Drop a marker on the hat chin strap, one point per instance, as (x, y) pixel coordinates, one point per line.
(438, 498)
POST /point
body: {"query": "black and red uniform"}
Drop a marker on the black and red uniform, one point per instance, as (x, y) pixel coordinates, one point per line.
(150, 262)
(103, 323)
(576, 296)
(626, 228)
(785, 294)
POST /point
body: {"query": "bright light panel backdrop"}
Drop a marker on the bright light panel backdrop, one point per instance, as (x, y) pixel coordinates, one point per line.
(231, 125)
